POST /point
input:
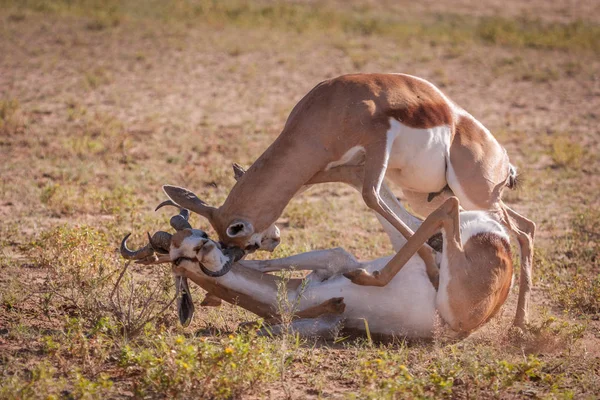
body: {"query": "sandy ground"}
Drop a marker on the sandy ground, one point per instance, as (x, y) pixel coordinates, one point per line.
(185, 101)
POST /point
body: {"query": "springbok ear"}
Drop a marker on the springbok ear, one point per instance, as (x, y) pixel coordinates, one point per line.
(185, 305)
(238, 171)
(240, 228)
(187, 199)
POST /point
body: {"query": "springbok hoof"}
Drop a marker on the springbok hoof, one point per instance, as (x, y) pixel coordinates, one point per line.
(336, 305)
(211, 300)
(362, 277)
(520, 324)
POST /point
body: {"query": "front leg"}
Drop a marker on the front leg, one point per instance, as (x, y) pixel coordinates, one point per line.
(354, 176)
(211, 300)
(524, 230)
(377, 156)
(325, 263)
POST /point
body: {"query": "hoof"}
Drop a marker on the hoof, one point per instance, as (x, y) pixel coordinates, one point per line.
(336, 305)
(211, 301)
(520, 324)
(362, 277)
(354, 274)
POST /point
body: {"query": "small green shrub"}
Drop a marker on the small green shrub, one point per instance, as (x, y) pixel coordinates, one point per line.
(222, 368)
(534, 33)
(581, 294)
(453, 373)
(577, 271)
(87, 280)
(566, 153)
(43, 382)
(11, 118)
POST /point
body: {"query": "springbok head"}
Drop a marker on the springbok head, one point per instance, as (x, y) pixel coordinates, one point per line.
(185, 244)
(233, 230)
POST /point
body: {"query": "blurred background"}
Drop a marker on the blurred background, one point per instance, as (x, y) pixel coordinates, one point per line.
(102, 102)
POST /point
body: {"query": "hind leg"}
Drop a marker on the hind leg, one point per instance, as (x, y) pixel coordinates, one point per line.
(326, 327)
(445, 216)
(353, 175)
(524, 230)
(376, 162)
(325, 262)
(322, 320)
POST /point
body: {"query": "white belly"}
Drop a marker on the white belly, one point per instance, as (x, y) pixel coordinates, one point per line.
(418, 157)
(405, 307)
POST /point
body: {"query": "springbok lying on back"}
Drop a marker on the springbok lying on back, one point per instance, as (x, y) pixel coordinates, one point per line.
(475, 278)
(392, 125)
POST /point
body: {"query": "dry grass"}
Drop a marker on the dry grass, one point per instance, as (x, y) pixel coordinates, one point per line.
(567, 153)
(103, 102)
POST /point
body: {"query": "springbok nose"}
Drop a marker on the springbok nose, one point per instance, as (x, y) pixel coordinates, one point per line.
(252, 248)
(270, 244)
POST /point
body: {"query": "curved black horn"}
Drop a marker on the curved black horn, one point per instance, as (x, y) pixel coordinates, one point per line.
(233, 254)
(178, 222)
(160, 241)
(167, 203)
(216, 274)
(128, 254)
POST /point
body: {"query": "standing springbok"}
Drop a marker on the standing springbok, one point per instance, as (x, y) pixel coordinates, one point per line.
(475, 278)
(395, 126)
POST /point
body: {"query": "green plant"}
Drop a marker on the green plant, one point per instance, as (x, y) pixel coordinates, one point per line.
(526, 32)
(577, 285)
(44, 383)
(221, 368)
(85, 277)
(566, 153)
(11, 118)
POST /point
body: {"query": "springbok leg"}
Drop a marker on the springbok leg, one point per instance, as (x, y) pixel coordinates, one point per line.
(320, 320)
(325, 262)
(353, 175)
(326, 327)
(429, 227)
(211, 300)
(384, 204)
(524, 230)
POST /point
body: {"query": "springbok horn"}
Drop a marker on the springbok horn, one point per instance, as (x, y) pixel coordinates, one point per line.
(178, 222)
(238, 171)
(160, 241)
(233, 254)
(186, 199)
(185, 305)
(144, 252)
